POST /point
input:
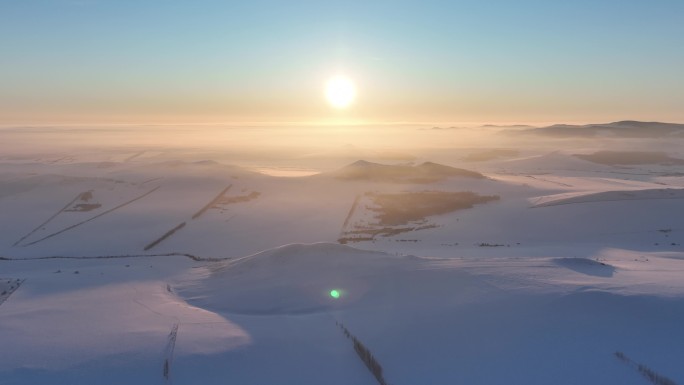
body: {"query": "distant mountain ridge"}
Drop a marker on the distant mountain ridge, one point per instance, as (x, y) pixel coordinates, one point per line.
(427, 172)
(623, 129)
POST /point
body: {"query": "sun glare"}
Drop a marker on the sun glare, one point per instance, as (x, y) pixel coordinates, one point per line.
(340, 91)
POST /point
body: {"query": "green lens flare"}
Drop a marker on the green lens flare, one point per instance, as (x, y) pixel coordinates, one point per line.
(335, 293)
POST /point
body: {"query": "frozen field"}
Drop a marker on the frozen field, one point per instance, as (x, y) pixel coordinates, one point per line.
(486, 255)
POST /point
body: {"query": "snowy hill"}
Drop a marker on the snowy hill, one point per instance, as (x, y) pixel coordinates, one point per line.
(294, 279)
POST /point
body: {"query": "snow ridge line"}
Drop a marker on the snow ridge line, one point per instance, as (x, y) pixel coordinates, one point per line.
(187, 255)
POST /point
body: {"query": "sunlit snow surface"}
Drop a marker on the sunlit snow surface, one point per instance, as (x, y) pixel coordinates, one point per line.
(143, 256)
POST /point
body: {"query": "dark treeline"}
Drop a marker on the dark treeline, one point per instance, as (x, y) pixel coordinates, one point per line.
(650, 374)
(163, 237)
(366, 356)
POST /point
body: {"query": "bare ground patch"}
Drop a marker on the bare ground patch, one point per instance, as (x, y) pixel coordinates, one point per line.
(424, 173)
(387, 215)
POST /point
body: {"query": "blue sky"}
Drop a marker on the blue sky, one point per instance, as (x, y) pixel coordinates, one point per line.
(413, 61)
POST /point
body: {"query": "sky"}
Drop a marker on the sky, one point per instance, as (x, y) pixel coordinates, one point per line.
(258, 61)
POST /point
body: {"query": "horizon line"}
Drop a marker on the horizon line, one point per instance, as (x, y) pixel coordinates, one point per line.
(463, 124)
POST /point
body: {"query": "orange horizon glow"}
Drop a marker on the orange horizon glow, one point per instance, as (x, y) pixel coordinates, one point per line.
(311, 123)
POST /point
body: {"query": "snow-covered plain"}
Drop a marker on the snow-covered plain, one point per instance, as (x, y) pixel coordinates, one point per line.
(209, 255)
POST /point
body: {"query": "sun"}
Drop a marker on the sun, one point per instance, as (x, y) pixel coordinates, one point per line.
(340, 91)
